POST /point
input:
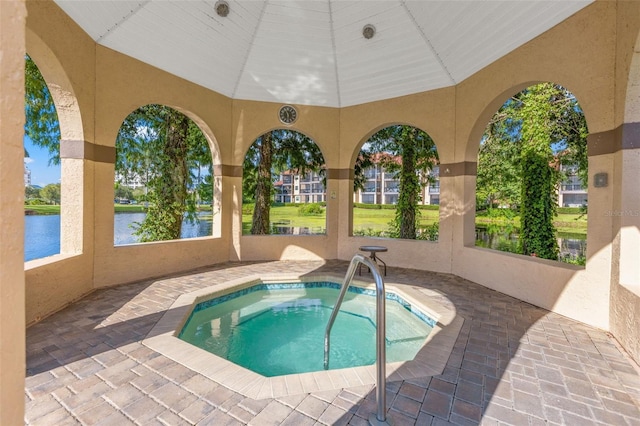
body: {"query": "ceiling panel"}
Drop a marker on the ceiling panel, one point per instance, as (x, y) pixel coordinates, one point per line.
(312, 51)
(99, 17)
(470, 35)
(292, 57)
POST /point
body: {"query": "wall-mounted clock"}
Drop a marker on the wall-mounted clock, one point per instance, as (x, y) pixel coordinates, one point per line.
(288, 114)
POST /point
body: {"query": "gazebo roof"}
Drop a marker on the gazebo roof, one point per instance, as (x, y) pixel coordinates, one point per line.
(313, 52)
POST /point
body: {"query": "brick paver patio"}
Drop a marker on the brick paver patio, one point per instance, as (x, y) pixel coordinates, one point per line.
(513, 363)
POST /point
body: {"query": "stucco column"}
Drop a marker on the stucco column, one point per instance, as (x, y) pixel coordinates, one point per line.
(12, 312)
(231, 223)
(625, 218)
(457, 209)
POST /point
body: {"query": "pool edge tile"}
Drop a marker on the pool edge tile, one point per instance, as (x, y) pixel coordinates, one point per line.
(430, 359)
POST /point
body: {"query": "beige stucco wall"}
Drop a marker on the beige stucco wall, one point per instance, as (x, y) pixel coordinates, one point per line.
(106, 86)
(432, 112)
(625, 277)
(583, 61)
(53, 282)
(122, 85)
(12, 295)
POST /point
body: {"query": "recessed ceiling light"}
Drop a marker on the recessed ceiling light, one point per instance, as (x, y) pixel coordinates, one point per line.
(222, 8)
(368, 31)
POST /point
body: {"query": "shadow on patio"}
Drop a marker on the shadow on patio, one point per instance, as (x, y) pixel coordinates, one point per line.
(512, 363)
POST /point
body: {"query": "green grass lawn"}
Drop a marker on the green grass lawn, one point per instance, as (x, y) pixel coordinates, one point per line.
(363, 219)
(574, 224)
(378, 220)
(46, 209)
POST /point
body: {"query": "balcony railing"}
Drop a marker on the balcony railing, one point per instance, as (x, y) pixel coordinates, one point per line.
(574, 187)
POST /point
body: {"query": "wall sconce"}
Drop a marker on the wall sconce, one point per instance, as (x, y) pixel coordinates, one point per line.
(600, 180)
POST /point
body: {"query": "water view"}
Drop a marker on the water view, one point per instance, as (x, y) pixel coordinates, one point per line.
(42, 232)
(42, 235)
(572, 247)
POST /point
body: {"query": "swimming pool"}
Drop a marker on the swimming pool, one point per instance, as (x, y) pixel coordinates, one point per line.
(277, 329)
(429, 360)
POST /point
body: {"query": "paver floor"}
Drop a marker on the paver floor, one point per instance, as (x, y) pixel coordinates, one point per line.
(513, 363)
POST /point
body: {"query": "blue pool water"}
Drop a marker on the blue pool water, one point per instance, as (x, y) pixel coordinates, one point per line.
(276, 329)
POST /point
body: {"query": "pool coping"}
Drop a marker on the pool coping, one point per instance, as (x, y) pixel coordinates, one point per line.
(429, 361)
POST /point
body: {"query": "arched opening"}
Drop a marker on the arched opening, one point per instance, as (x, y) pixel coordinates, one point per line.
(284, 186)
(69, 231)
(42, 174)
(164, 180)
(531, 187)
(397, 185)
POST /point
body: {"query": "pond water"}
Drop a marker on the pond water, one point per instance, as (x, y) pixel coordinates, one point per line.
(42, 232)
(42, 235)
(571, 246)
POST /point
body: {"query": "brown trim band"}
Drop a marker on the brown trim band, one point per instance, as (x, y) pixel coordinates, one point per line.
(465, 168)
(227, 170)
(340, 174)
(625, 136)
(83, 150)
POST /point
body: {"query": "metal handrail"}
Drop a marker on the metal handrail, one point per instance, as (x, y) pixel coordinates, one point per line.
(381, 356)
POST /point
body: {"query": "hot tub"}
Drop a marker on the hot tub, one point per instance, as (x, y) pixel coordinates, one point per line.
(437, 330)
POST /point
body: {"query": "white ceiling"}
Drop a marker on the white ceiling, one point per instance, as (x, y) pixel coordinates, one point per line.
(312, 52)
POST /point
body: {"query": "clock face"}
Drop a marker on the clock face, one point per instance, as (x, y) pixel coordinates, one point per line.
(288, 114)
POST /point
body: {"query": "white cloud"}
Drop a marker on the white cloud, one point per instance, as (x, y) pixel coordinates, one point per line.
(28, 160)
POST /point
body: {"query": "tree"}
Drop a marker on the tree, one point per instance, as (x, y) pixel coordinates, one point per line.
(31, 192)
(155, 142)
(51, 193)
(529, 137)
(41, 119)
(199, 161)
(363, 162)
(122, 191)
(205, 189)
(159, 142)
(410, 152)
(498, 176)
(276, 151)
(260, 223)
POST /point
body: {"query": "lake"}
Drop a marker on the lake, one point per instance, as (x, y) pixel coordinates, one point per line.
(42, 232)
(42, 235)
(571, 246)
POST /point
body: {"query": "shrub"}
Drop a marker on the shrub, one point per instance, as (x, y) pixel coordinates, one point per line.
(430, 233)
(369, 232)
(573, 260)
(248, 208)
(571, 210)
(310, 209)
(36, 202)
(500, 213)
(429, 207)
(367, 206)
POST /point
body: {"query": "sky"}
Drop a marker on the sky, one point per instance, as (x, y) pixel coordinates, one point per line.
(42, 173)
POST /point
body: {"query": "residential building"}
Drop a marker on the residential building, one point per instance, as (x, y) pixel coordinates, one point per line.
(27, 175)
(292, 187)
(133, 180)
(383, 187)
(571, 192)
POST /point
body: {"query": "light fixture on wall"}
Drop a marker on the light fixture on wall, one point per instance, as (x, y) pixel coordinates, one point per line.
(222, 8)
(600, 180)
(368, 31)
